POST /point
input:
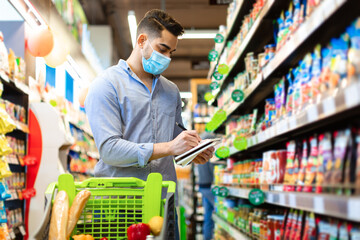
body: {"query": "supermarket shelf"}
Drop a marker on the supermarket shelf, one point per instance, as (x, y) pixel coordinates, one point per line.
(14, 85)
(327, 204)
(256, 29)
(202, 119)
(302, 41)
(324, 11)
(233, 29)
(332, 109)
(235, 233)
(87, 131)
(247, 93)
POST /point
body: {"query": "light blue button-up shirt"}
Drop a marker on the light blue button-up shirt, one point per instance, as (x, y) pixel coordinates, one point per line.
(126, 120)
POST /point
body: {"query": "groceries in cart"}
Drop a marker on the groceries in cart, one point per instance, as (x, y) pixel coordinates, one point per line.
(63, 219)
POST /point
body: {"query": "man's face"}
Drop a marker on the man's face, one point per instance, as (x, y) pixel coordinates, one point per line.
(165, 44)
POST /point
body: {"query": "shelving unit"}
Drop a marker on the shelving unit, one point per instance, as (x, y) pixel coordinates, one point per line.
(300, 42)
(326, 204)
(344, 105)
(232, 28)
(256, 38)
(17, 93)
(332, 111)
(234, 232)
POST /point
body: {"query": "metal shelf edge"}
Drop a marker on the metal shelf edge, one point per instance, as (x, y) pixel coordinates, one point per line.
(326, 204)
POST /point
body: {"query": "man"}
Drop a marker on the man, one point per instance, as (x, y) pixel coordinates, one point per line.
(132, 109)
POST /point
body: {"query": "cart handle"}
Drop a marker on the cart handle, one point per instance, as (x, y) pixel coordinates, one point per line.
(111, 182)
(170, 185)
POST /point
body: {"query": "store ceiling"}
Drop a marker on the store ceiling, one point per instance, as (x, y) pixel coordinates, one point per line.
(190, 59)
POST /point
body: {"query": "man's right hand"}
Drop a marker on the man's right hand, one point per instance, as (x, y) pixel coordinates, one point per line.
(185, 141)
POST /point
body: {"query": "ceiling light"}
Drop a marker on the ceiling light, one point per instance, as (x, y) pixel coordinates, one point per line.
(185, 94)
(199, 34)
(132, 27)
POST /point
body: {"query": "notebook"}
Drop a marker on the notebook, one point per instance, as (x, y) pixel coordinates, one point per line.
(187, 157)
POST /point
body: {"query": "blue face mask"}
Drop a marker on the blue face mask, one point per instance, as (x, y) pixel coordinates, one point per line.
(156, 64)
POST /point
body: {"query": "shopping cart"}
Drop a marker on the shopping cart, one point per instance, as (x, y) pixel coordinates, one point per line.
(115, 204)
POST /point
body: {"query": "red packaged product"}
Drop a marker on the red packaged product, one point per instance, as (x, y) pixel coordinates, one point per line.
(281, 165)
(290, 224)
(311, 169)
(310, 227)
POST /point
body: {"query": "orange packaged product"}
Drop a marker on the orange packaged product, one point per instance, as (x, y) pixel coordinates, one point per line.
(311, 168)
(289, 169)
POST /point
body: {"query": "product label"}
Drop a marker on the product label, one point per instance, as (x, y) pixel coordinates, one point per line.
(237, 95)
(208, 96)
(223, 69)
(214, 85)
(213, 54)
(277, 234)
(217, 76)
(219, 38)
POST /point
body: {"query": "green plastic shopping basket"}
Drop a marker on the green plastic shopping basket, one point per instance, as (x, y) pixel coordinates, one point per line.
(115, 204)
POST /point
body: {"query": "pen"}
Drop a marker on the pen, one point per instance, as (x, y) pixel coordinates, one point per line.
(181, 126)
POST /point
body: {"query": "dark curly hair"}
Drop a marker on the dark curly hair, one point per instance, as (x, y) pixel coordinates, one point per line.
(155, 21)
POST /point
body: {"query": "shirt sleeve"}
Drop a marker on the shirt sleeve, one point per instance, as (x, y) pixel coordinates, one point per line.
(178, 117)
(104, 115)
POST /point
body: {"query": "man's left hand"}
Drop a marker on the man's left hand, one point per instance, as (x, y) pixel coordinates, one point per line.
(205, 156)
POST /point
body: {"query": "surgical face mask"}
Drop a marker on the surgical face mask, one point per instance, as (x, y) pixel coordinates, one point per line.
(156, 64)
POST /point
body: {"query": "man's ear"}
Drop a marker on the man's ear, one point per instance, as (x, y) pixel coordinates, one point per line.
(142, 39)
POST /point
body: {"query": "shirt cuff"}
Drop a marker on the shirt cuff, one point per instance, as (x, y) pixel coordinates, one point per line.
(144, 154)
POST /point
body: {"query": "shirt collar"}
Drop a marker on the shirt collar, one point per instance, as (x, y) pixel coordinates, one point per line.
(124, 65)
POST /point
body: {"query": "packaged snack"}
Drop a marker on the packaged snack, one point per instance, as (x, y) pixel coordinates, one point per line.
(334, 229)
(280, 34)
(269, 111)
(297, 160)
(299, 226)
(310, 227)
(324, 229)
(279, 90)
(297, 100)
(12, 63)
(297, 14)
(311, 169)
(326, 54)
(290, 157)
(339, 60)
(354, 232)
(341, 149)
(290, 94)
(280, 165)
(306, 79)
(354, 51)
(343, 232)
(288, 22)
(324, 163)
(290, 223)
(303, 166)
(315, 73)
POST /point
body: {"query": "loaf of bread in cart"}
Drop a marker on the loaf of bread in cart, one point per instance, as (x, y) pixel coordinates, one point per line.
(59, 217)
(76, 209)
